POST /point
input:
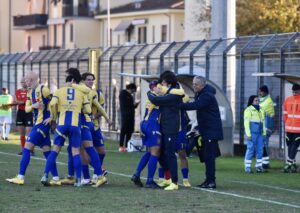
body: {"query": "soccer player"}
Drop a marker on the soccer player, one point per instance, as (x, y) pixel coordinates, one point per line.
(91, 137)
(151, 137)
(180, 143)
(38, 99)
(69, 102)
(97, 111)
(24, 120)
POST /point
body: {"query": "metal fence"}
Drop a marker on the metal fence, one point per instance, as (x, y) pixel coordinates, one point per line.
(228, 62)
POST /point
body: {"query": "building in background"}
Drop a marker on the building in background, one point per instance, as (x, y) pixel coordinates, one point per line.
(71, 23)
(147, 21)
(47, 24)
(33, 23)
(10, 38)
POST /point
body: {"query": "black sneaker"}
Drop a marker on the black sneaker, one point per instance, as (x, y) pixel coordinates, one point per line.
(137, 180)
(209, 185)
(152, 185)
(202, 184)
(20, 153)
(32, 153)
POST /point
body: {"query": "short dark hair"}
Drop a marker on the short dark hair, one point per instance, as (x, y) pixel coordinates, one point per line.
(169, 77)
(70, 78)
(295, 87)
(4, 89)
(264, 89)
(86, 74)
(75, 75)
(131, 86)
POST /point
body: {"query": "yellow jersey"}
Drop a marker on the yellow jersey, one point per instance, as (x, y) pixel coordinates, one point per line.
(41, 94)
(69, 102)
(93, 100)
(97, 107)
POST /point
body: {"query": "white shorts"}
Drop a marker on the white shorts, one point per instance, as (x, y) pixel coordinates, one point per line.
(5, 120)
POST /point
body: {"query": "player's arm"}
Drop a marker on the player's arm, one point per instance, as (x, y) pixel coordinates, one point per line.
(100, 109)
(53, 105)
(81, 87)
(28, 104)
(86, 105)
(53, 109)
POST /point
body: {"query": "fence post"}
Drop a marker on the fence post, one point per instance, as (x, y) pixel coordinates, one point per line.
(207, 56)
(261, 60)
(177, 53)
(227, 49)
(135, 57)
(192, 53)
(162, 56)
(242, 90)
(122, 64)
(8, 70)
(16, 70)
(148, 57)
(109, 82)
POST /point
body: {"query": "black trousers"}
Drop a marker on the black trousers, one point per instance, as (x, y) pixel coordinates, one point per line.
(292, 142)
(127, 128)
(168, 159)
(211, 151)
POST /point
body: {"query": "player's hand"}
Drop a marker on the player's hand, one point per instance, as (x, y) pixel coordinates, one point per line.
(38, 105)
(47, 121)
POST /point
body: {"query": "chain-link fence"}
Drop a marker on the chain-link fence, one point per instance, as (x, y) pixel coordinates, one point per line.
(228, 62)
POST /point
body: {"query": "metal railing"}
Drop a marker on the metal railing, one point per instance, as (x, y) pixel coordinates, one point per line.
(228, 62)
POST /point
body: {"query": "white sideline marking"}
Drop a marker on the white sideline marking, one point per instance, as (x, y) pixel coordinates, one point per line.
(266, 186)
(207, 190)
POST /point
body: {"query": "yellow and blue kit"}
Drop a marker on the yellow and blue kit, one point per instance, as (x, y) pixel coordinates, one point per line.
(88, 129)
(39, 134)
(150, 127)
(97, 136)
(69, 102)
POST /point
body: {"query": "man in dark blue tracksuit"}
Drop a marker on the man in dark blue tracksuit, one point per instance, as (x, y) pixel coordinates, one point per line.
(170, 124)
(209, 126)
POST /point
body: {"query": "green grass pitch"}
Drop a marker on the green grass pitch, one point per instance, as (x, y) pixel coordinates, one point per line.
(236, 191)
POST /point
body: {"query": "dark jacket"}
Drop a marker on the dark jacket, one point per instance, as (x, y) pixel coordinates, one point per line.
(127, 107)
(169, 111)
(208, 114)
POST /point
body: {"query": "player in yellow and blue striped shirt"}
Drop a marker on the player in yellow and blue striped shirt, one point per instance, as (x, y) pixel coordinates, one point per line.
(88, 135)
(37, 101)
(151, 137)
(67, 104)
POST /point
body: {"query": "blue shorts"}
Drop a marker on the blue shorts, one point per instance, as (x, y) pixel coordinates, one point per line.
(86, 134)
(151, 135)
(182, 141)
(40, 135)
(64, 132)
(98, 139)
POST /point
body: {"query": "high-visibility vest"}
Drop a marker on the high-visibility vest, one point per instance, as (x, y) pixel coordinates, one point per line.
(291, 114)
(254, 121)
(5, 99)
(267, 105)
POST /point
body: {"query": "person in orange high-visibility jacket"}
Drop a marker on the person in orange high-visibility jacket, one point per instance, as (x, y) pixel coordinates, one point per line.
(291, 112)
